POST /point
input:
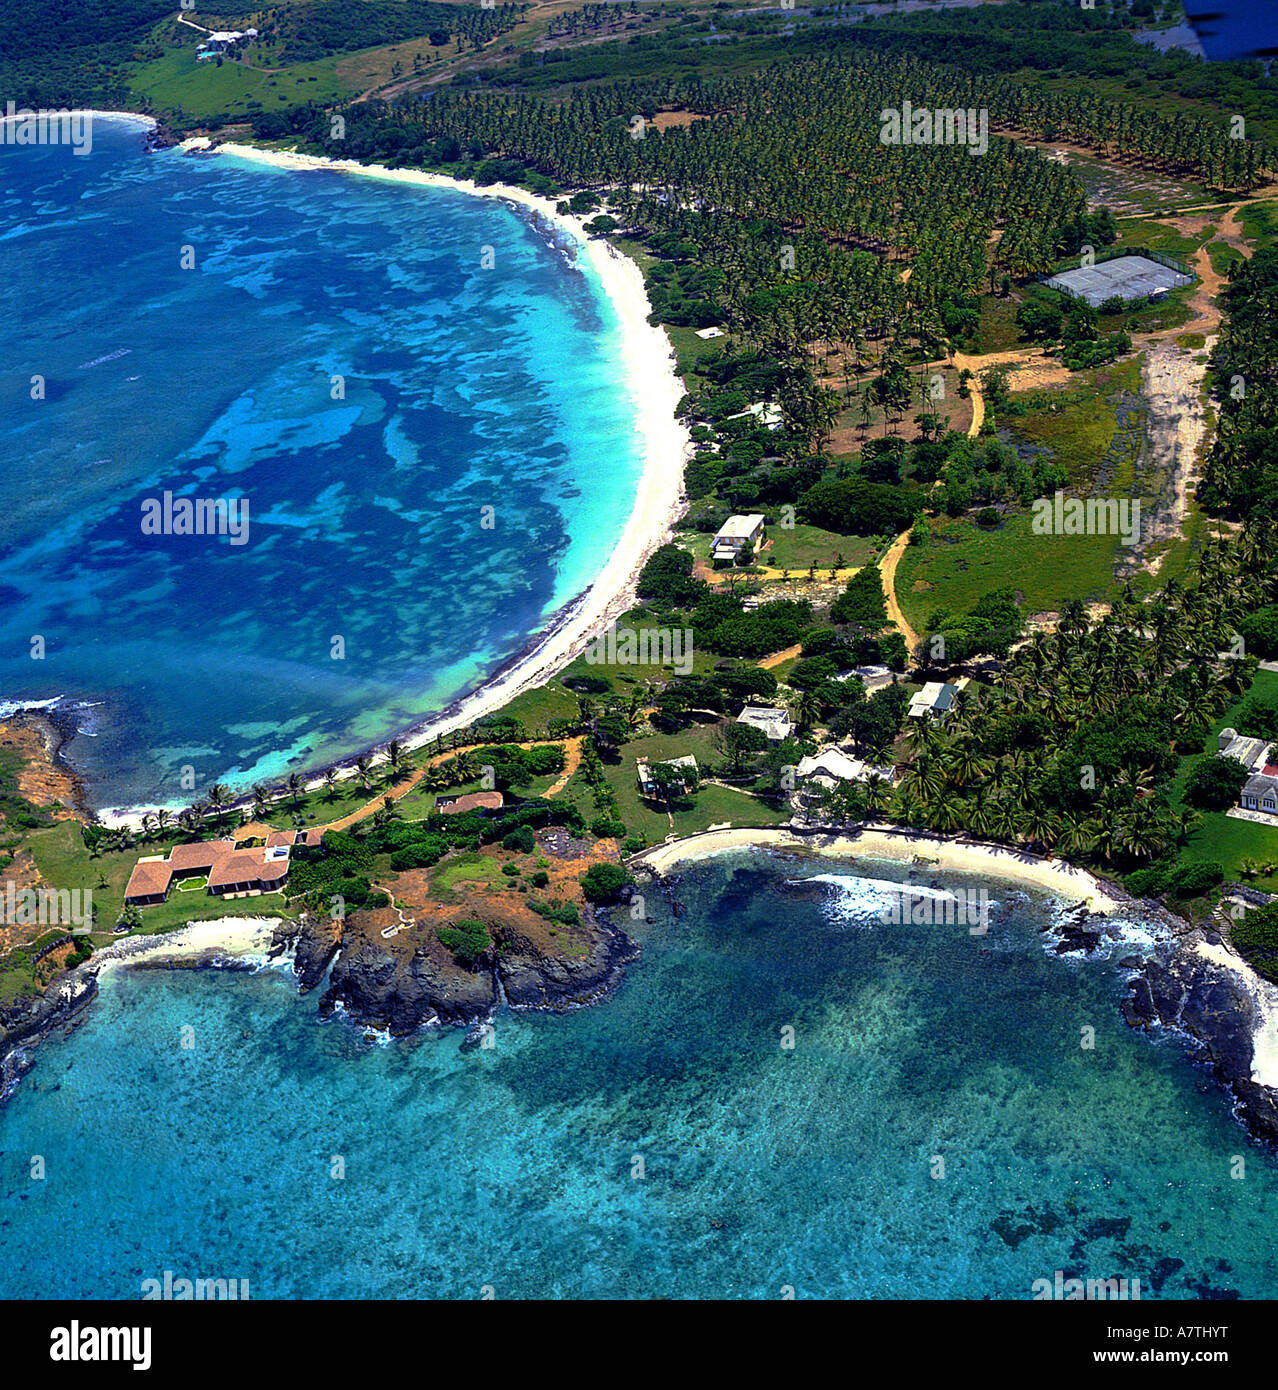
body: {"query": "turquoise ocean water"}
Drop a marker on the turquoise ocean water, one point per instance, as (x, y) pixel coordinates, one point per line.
(762, 1168)
(465, 388)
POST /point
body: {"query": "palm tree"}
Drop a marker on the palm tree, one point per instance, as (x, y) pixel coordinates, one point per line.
(806, 708)
(218, 797)
(363, 767)
(395, 753)
(878, 794)
(330, 783)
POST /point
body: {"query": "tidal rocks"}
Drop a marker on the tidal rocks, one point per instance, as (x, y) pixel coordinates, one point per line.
(1073, 932)
(390, 989)
(27, 1021)
(314, 941)
(160, 137)
(402, 982)
(532, 980)
(1180, 987)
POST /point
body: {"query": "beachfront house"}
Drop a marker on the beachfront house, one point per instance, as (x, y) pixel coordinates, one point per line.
(735, 534)
(650, 788)
(1260, 791)
(230, 869)
(832, 765)
(936, 699)
(774, 723)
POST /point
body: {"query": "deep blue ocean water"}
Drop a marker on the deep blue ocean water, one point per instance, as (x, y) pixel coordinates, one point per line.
(1235, 28)
(514, 1168)
(465, 388)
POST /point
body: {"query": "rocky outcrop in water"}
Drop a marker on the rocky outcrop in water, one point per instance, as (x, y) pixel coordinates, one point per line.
(160, 137)
(402, 982)
(27, 1021)
(387, 989)
(1216, 1004)
(314, 942)
(532, 980)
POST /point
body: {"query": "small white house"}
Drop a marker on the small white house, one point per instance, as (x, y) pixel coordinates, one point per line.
(708, 333)
(935, 699)
(1260, 793)
(735, 534)
(649, 788)
(772, 722)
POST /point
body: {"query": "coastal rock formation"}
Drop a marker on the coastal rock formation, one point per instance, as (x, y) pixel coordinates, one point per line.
(533, 980)
(314, 942)
(407, 980)
(1199, 987)
(28, 1020)
(400, 991)
(160, 137)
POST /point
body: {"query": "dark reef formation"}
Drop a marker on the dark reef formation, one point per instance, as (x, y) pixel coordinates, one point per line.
(402, 982)
(1178, 987)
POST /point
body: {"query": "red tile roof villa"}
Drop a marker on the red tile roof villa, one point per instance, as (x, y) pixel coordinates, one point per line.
(230, 870)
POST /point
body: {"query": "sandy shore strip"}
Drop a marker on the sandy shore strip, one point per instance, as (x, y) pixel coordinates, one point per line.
(1264, 998)
(197, 942)
(655, 390)
(1054, 876)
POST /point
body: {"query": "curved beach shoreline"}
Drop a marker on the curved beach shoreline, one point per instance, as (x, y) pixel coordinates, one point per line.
(197, 943)
(655, 390)
(900, 846)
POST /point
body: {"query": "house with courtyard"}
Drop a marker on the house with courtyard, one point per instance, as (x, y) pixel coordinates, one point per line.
(225, 867)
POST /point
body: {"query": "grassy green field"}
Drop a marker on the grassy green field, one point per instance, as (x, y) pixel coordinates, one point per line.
(1259, 222)
(960, 563)
(204, 90)
(1080, 426)
(1140, 233)
(799, 547)
(712, 805)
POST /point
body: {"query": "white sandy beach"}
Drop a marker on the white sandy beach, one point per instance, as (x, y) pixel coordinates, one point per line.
(1264, 997)
(655, 391)
(218, 936)
(888, 842)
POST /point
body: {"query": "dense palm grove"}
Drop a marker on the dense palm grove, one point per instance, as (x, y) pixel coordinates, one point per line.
(1242, 468)
(798, 145)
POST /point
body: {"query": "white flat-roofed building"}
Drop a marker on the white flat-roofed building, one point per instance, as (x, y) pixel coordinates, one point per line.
(735, 534)
(769, 720)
